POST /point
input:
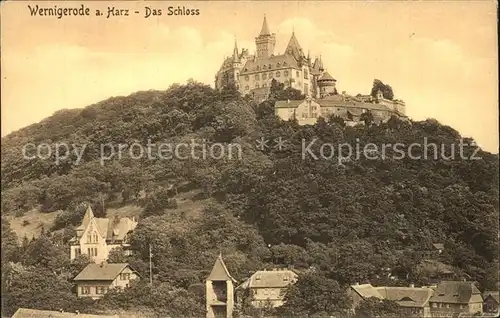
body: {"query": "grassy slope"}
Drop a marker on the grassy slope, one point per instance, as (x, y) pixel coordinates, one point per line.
(187, 205)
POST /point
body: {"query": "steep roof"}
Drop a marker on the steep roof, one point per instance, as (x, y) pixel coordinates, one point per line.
(493, 294)
(406, 296)
(219, 271)
(87, 217)
(293, 48)
(103, 271)
(265, 28)
(454, 292)
(269, 64)
(111, 230)
(326, 77)
(271, 279)
(35, 313)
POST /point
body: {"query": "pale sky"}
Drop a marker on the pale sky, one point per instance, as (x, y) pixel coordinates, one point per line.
(440, 57)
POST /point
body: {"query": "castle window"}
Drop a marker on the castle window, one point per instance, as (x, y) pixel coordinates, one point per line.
(247, 78)
(306, 75)
(285, 73)
(278, 73)
(95, 238)
(256, 77)
(298, 74)
(78, 251)
(89, 238)
(264, 76)
(314, 115)
(257, 85)
(304, 115)
(306, 88)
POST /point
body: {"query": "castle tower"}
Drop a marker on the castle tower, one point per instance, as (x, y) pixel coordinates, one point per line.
(326, 84)
(219, 288)
(265, 42)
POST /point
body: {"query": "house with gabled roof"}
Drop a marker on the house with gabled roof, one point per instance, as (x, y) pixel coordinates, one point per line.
(491, 300)
(96, 237)
(268, 287)
(95, 280)
(36, 313)
(456, 297)
(414, 301)
(219, 288)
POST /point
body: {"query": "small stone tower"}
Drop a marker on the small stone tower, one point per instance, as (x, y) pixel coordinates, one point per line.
(219, 291)
(326, 84)
(265, 42)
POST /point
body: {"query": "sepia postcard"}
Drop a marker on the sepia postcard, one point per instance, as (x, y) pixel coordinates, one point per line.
(249, 159)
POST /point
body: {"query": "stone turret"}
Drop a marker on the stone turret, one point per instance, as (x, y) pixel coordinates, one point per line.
(326, 84)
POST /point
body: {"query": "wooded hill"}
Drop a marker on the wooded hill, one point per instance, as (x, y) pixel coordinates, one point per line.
(359, 221)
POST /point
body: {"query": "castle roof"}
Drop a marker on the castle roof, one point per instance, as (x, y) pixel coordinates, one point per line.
(293, 48)
(219, 271)
(326, 77)
(273, 62)
(265, 28)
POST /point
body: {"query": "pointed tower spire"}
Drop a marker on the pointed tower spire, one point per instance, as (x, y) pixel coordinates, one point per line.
(89, 215)
(320, 65)
(265, 27)
(236, 55)
(219, 271)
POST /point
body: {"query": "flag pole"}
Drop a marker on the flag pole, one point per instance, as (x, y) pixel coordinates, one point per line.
(150, 267)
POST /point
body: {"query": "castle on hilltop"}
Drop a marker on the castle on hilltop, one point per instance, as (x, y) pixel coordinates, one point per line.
(252, 75)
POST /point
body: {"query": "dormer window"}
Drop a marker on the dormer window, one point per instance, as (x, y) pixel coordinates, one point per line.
(278, 65)
(269, 66)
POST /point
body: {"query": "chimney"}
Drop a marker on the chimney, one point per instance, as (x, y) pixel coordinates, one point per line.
(412, 285)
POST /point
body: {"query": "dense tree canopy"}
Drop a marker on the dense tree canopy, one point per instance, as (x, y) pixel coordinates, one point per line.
(341, 220)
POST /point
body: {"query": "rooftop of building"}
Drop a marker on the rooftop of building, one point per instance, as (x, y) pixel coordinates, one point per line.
(458, 292)
(36, 313)
(112, 229)
(219, 271)
(103, 272)
(276, 278)
(493, 293)
(404, 296)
